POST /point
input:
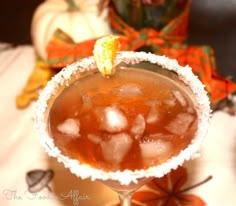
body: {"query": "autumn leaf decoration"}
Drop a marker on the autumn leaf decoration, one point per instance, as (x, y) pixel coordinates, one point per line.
(169, 190)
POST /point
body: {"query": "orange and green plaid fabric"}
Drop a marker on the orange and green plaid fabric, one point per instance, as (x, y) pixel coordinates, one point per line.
(169, 41)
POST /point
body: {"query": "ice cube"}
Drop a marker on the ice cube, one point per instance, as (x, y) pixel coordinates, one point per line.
(158, 149)
(138, 125)
(152, 116)
(112, 119)
(70, 127)
(180, 124)
(87, 103)
(94, 138)
(180, 98)
(156, 136)
(190, 110)
(115, 149)
(152, 102)
(170, 102)
(129, 91)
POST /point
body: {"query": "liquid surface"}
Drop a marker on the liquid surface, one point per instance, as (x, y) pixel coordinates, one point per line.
(133, 120)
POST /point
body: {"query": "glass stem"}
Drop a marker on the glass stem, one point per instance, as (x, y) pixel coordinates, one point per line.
(125, 198)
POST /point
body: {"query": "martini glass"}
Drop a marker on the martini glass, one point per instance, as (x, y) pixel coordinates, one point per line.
(174, 139)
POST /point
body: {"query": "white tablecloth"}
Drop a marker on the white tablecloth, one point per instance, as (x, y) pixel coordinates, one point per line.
(20, 152)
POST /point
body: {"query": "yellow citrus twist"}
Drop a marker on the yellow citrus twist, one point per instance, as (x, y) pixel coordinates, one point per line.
(104, 52)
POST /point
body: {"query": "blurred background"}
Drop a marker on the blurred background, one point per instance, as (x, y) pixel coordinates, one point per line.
(212, 22)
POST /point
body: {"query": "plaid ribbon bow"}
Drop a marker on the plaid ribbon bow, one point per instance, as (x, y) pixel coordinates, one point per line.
(169, 41)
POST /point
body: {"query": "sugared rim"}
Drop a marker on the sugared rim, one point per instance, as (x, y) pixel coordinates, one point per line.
(127, 176)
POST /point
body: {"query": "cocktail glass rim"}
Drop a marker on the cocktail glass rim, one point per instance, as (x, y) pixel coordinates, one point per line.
(125, 177)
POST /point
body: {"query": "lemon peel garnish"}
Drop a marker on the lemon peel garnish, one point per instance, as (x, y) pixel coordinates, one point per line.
(104, 52)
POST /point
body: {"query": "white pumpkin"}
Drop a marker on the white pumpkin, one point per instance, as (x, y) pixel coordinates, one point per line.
(78, 18)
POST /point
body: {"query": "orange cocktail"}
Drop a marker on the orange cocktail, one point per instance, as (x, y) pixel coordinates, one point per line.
(142, 117)
(133, 120)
